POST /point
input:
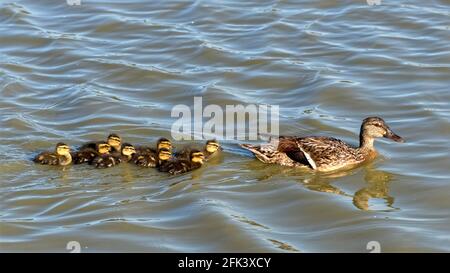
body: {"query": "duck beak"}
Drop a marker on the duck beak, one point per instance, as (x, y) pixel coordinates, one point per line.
(391, 135)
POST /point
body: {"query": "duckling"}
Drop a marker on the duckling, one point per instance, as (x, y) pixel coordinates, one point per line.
(210, 149)
(113, 140)
(127, 154)
(164, 157)
(179, 166)
(85, 155)
(155, 161)
(61, 156)
(324, 153)
(103, 158)
(161, 143)
(148, 157)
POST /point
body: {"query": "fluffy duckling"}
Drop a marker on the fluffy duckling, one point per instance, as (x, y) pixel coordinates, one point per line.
(113, 140)
(103, 158)
(211, 148)
(179, 166)
(164, 157)
(61, 156)
(149, 157)
(127, 154)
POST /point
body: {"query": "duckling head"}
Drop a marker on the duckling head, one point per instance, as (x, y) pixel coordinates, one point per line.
(103, 148)
(114, 141)
(374, 127)
(164, 143)
(164, 154)
(128, 149)
(197, 156)
(212, 146)
(62, 149)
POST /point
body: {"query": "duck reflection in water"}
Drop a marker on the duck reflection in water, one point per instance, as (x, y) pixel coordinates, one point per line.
(377, 187)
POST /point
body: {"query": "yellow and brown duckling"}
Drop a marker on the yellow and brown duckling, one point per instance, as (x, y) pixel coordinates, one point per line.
(128, 153)
(324, 153)
(61, 156)
(183, 165)
(113, 140)
(149, 157)
(104, 158)
(164, 157)
(211, 148)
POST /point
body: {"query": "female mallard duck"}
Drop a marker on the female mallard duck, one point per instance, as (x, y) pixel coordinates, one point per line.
(324, 153)
(178, 166)
(113, 140)
(210, 149)
(148, 157)
(61, 156)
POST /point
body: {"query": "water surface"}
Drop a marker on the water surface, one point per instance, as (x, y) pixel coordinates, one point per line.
(76, 73)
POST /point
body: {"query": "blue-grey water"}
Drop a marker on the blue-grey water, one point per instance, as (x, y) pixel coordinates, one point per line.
(77, 73)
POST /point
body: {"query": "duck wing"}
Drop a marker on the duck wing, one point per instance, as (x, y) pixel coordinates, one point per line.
(104, 161)
(148, 160)
(268, 153)
(178, 167)
(84, 156)
(47, 158)
(317, 151)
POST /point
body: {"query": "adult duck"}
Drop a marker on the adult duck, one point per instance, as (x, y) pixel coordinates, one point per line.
(324, 153)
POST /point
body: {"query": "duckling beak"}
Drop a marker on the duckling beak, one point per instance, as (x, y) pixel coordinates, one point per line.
(391, 135)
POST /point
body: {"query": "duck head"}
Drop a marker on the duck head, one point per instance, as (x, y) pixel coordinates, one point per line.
(197, 157)
(103, 148)
(128, 150)
(62, 149)
(114, 141)
(212, 146)
(375, 127)
(164, 143)
(164, 154)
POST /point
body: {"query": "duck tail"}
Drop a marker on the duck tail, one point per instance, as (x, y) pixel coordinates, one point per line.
(256, 150)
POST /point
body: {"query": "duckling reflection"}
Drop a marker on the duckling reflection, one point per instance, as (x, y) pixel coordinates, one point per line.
(377, 187)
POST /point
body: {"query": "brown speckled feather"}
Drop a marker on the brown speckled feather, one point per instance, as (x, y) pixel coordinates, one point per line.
(322, 153)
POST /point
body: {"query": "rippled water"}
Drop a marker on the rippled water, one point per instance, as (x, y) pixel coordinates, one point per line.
(77, 73)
